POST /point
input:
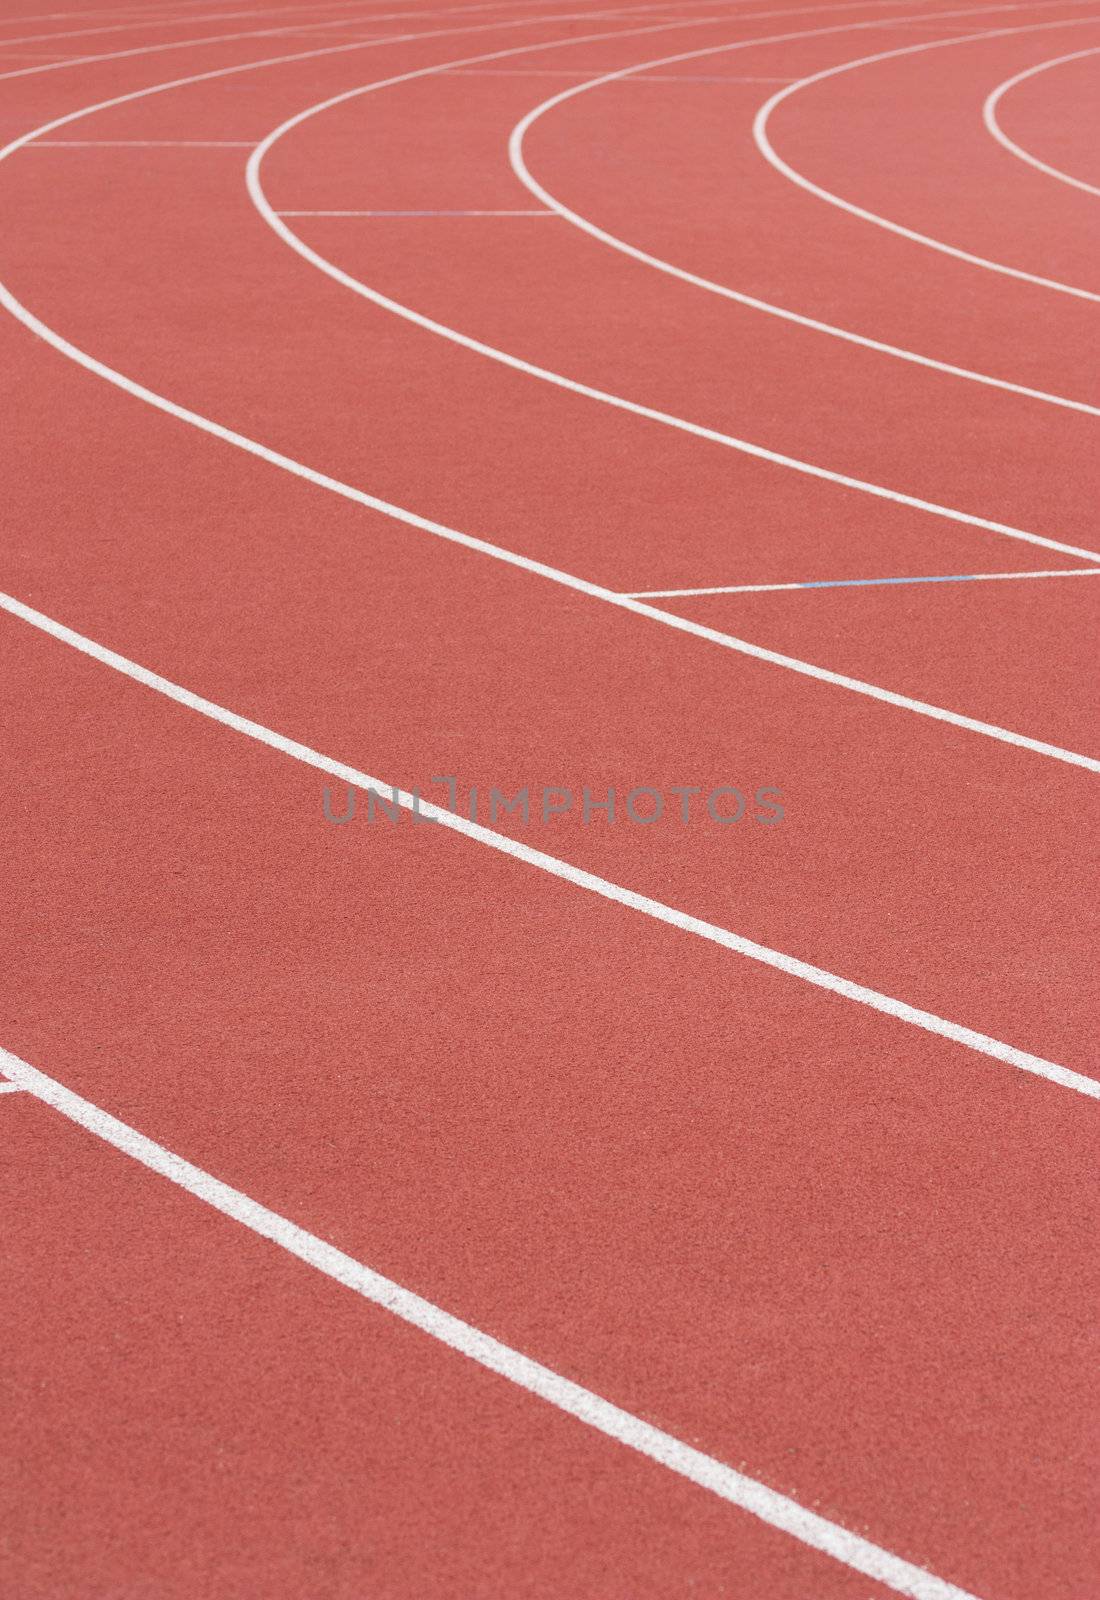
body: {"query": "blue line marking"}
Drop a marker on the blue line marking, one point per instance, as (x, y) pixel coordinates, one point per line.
(863, 583)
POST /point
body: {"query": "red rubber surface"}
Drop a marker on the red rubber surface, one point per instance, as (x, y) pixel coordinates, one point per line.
(848, 1257)
(1043, 122)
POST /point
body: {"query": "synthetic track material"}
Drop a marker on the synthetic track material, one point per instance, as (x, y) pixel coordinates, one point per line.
(725, 1199)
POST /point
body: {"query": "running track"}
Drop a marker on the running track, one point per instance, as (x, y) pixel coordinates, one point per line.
(529, 392)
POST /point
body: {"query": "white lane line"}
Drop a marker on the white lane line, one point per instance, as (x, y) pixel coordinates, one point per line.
(415, 213)
(63, 16)
(138, 23)
(572, 385)
(440, 530)
(899, 1010)
(857, 583)
(989, 117)
(747, 1494)
(195, 12)
(143, 144)
(567, 72)
(307, 25)
(131, 25)
(313, 33)
(597, 14)
(690, 77)
(395, 38)
(516, 72)
(11, 1088)
(768, 151)
(627, 74)
(198, 11)
(37, 17)
(134, 20)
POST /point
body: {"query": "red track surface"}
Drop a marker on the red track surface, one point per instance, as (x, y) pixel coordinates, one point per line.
(852, 1258)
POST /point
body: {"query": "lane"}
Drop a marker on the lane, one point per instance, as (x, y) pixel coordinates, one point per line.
(723, 1204)
(939, 638)
(167, 1375)
(47, 88)
(1058, 114)
(333, 15)
(1018, 227)
(1086, 720)
(725, 806)
(685, 377)
(843, 272)
(657, 73)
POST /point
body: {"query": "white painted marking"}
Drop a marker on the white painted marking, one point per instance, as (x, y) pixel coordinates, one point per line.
(159, 46)
(440, 530)
(855, 583)
(142, 144)
(305, 55)
(559, 380)
(767, 150)
(158, 10)
(515, 72)
(11, 1088)
(629, 74)
(748, 1494)
(415, 213)
(130, 25)
(195, 12)
(581, 879)
(144, 19)
(314, 32)
(37, 17)
(989, 117)
(571, 74)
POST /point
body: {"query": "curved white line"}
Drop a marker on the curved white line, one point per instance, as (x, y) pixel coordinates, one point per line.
(152, 49)
(574, 386)
(161, 12)
(989, 117)
(66, 16)
(322, 480)
(134, 23)
(760, 134)
(523, 173)
(305, 23)
(361, 44)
